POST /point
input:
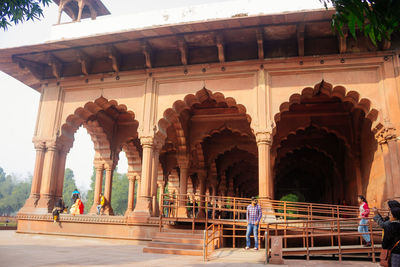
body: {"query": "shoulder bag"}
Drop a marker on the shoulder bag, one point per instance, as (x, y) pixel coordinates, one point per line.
(386, 256)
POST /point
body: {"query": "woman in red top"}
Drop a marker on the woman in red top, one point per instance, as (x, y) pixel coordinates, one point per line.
(363, 225)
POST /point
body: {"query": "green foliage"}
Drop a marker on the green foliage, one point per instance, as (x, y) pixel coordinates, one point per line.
(69, 187)
(17, 11)
(13, 193)
(290, 198)
(377, 19)
(119, 196)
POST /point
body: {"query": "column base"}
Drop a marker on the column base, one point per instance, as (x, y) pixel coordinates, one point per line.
(107, 210)
(30, 204)
(155, 207)
(45, 204)
(142, 212)
(93, 209)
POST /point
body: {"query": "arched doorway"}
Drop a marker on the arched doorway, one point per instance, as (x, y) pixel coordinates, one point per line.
(112, 128)
(322, 145)
(210, 144)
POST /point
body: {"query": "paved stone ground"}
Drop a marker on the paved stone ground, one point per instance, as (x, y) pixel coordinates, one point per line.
(46, 250)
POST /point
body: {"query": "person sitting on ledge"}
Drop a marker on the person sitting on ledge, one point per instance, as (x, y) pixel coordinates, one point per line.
(77, 207)
(100, 207)
(58, 208)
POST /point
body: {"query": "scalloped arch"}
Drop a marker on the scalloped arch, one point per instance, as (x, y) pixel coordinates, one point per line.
(86, 116)
(171, 115)
(326, 89)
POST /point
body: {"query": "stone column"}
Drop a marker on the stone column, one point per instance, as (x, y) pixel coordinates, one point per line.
(161, 185)
(49, 177)
(202, 188)
(184, 173)
(34, 196)
(154, 176)
(62, 158)
(387, 140)
(97, 187)
(265, 179)
(108, 190)
(143, 207)
(131, 193)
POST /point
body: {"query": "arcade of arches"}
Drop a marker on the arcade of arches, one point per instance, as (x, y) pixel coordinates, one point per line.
(321, 148)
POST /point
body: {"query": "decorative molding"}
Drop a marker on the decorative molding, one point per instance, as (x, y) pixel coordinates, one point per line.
(264, 137)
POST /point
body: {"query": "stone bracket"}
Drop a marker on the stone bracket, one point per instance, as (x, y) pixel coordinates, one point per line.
(85, 62)
(260, 43)
(147, 52)
(300, 39)
(115, 57)
(183, 50)
(36, 69)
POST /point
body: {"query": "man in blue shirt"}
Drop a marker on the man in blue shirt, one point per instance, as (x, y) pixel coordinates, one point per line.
(253, 217)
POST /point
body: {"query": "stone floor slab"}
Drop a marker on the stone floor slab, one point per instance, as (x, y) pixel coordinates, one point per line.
(45, 250)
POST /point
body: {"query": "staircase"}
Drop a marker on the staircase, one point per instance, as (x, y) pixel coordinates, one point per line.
(176, 241)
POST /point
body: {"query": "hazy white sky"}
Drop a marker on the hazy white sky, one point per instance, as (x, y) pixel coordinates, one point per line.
(19, 103)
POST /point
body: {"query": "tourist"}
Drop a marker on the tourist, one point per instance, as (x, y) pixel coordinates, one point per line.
(101, 206)
(383, 221)
(77, 207)
(391, 232)
(363, 224)
(253, 218)
(58, 208)
(75, 195)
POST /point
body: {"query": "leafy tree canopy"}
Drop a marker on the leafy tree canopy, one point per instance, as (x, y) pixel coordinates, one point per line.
(377, 19)
(69, 186)
(16, 11)
(13, 193)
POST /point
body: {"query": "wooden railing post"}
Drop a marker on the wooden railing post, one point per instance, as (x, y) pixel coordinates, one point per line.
(284, 210)
(339, 238)
(372, 240)
(194, 213)
(161, 211)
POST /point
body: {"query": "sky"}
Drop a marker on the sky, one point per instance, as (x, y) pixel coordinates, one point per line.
(19, 103)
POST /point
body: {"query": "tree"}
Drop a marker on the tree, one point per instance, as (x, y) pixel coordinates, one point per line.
(13, 193)
(377, 19)
(69, 186)
(17, 11)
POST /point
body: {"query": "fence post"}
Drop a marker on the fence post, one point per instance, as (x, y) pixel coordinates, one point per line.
(372, 239)
(205, 245)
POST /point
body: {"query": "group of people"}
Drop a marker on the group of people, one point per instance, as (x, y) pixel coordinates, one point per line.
(76, 208)
(390, 225)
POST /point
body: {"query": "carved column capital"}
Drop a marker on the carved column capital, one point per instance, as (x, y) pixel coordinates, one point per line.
(147, 141)
(264, 137)
(132, 176)
(52, 145)
(385, 135)
(39, 145)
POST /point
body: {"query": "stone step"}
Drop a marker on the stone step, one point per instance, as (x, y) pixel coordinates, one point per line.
(190, 252)
(181, 240)
(175, 245)
(178, 235)
(184, 231)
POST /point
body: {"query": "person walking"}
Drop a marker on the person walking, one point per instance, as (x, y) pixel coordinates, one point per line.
(363, 224)
(253, 218)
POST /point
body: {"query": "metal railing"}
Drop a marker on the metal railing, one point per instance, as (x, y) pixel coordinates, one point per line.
(203, 208)
(212, 239)
(307, 231)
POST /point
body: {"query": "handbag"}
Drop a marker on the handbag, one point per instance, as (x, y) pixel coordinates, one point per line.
(386, 255)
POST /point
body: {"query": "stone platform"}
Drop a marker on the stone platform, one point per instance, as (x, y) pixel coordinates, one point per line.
(49, 250)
